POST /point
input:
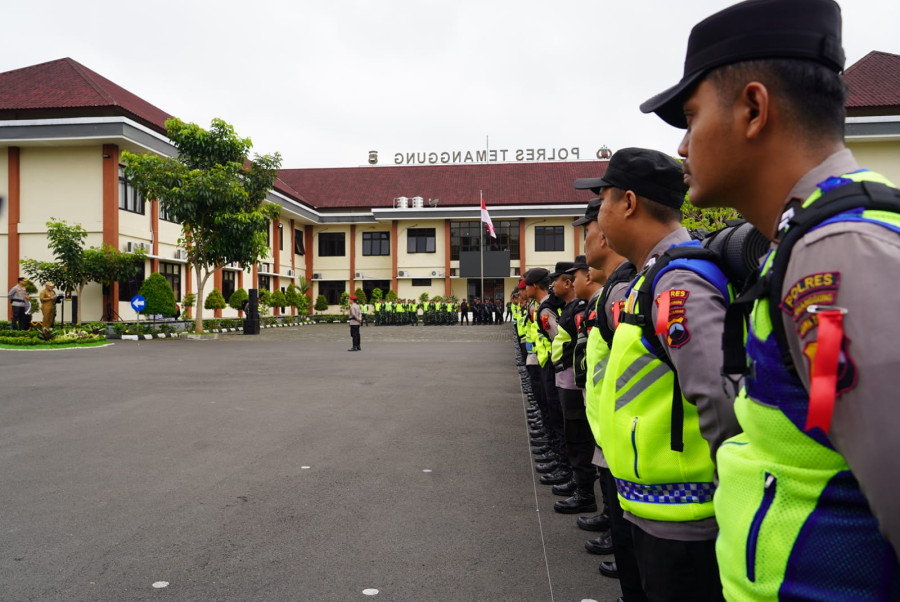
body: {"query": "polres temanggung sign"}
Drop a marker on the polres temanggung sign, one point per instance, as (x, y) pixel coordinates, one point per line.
(502, 155)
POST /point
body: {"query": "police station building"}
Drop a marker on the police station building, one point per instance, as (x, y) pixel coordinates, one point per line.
(408, 222)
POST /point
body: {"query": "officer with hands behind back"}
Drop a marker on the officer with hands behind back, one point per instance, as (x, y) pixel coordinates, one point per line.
(808, 493)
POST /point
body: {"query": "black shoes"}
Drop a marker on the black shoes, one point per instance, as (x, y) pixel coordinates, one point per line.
(560, 475)
(600, 522)
(537, 451)
(609, 569)
(539, 441)
(564, 489)
(582, 501)
(548, 467)
(549, 456)
(601, 545)
(354, 349)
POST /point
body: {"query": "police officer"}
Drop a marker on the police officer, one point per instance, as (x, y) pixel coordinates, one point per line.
(663, 411)
(809, 490)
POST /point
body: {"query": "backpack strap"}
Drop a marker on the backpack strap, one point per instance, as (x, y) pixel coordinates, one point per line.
(688, 255)
(624, 273)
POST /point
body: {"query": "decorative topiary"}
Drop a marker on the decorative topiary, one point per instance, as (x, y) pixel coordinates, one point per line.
(377, 294)
(360, 296)
(187, 302)
(390, 296)
(214, 300)
(277, 299)
(321, 303)
(292, 295)
(159, 295)
(236, 301)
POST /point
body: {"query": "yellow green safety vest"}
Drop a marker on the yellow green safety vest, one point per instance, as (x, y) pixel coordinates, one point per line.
(795, 524)
(597, 358)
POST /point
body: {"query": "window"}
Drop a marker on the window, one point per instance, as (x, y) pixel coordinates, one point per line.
(332, 291)
(129, 199)
(172, 273)
(421, 281)
(376, 243)
(268, 237)
(549, 238)
(164, 215)
(331, 244)
(229, 283)
(265, 283)
(420, 240)
(464, 236)
(280, 237)
(298, 242)
(129, 288)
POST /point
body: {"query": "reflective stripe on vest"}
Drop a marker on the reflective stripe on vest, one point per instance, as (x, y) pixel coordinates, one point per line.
(792, 503)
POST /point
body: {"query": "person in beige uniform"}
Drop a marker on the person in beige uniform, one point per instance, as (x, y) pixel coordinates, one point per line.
(354, 321)
(810, 488)
(48, 305)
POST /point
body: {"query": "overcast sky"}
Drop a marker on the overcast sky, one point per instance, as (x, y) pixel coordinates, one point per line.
(323, 83)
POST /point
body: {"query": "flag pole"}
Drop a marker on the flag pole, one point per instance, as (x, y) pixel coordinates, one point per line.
(481, 246)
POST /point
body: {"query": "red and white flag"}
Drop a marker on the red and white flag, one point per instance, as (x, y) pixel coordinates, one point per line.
(486, 218)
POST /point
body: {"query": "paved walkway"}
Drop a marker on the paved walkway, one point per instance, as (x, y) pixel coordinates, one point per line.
(280, 467)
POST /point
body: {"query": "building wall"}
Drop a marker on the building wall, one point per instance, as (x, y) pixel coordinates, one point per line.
(882, 156)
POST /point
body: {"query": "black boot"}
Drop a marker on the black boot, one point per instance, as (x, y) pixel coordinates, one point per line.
(582, 501)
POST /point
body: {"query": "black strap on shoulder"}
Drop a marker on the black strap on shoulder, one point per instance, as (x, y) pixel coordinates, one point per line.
(624, 273)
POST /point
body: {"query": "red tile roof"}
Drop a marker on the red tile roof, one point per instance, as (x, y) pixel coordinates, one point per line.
(455, 185)
(66, 84)
(874, 81)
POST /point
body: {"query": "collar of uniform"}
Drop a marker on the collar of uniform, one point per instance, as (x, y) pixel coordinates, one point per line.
(672, 238)
(837, 164)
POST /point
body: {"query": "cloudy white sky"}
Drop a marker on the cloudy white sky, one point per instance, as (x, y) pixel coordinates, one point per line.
(323, 83)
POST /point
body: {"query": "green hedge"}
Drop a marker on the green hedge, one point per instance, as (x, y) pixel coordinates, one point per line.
(33, 342)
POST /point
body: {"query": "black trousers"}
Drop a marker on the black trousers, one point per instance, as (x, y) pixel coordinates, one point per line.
(554, 420)
(677, 570)
(579, 438)
(354, 335)
(20, 320)
(623, 545)
(537, 388)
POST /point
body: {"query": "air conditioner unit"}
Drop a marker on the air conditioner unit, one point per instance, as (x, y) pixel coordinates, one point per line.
(434, 272)
(290, 273)
(180, 254)
(317, 276)
(402, 273)
(358, 275)
(265, 267)
(233, 264)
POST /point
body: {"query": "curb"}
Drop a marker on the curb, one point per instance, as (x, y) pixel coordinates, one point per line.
(191, 335)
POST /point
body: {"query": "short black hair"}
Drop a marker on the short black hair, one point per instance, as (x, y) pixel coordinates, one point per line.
(543, 283)
(661, 213)
(812, 95)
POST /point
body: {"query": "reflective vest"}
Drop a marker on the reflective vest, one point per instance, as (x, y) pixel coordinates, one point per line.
(798, 526)
(542, 343)
(562, 348)
(638, 433)
(531, 328)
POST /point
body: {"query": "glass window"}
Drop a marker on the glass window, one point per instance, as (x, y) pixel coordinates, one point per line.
(164, 215)
(264, 282)
(421, 281)
(549, 238)
(298, 242)
(281, 237)
(332, 291)
(331, 244)
(420, 240)
(172, 273)
(376, 243)
(129, 199)
(229, 283)
(129, 288)
(465, 236)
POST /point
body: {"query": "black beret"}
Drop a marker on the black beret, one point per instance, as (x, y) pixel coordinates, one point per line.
(756, 29)
(535, 275)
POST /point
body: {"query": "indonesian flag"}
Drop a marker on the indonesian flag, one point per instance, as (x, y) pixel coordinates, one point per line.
(486, 218)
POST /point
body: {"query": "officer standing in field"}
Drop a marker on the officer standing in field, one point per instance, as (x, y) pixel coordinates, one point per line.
(808, 493)
(663, 411)
(354, 321)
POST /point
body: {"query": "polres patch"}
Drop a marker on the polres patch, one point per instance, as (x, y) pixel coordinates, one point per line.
(846, 372)
(677, 333)
(815, 289)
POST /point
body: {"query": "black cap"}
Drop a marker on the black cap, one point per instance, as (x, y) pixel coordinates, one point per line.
(648, 173)
(756, 29)
(592, 184)
(561, 268)
(590, 214)
(580, 264)
(535, 275)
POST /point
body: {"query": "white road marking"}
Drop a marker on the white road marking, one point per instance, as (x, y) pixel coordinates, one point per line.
(161, 584)
(370, 592)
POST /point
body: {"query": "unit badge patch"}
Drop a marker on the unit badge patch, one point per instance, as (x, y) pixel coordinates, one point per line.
(846, 372)
(671, 309)
(815, 289)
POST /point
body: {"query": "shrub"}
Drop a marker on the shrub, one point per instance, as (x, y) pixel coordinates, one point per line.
(236, 301)
(187, 302)
(214, 300)
(159, 295)
(377, 294)
(277, 299)
(321, 303)
(391, 296)
(360, 296)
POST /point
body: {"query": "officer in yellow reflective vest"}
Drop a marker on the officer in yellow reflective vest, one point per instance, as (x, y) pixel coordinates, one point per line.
(663, 411)
(808, 493)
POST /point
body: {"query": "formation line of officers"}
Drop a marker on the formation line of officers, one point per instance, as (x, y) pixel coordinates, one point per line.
(746, 443)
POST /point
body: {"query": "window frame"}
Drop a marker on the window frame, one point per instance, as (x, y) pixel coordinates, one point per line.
(549, 239)
(421, 237)
(328, 241)
(381, 238)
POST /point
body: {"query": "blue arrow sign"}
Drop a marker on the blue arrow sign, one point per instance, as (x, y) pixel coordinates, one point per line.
(138, 303)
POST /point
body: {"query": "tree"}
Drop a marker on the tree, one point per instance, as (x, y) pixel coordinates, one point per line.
(277, 299)
(187, 302)
(305, 290)
(159, 296)
(423, 297)
(377, 294)
(214, 191)
(236, 301)
(76, 266)
(214, 300)
(391, 296)
(321, 303)
(361, 296)
(345, 301)
(292, 295)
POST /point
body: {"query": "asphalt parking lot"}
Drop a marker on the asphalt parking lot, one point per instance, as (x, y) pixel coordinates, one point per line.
(280, 467)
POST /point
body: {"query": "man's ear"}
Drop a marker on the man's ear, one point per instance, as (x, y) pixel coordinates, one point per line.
(629, 203)
(752, 109)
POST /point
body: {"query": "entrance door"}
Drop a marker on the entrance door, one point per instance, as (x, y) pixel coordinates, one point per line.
(493, 288)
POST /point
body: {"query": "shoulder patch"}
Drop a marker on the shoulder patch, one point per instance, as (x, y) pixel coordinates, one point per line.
(846, 373)
(677, 333)
(815, 289)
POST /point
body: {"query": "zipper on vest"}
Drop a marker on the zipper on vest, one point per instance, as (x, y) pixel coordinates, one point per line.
(634, 445)
(753, 535)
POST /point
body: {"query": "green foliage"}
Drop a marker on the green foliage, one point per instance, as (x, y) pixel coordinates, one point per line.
(695, 218)
(391, 296)
(377, 294)
(277, 299)
(360, 296)
(321, 303)
(236, 301)
(345, 301)
(292, 295)
(214, 300)
(187, 303)
(265, 297)
(214, 190)
(423, 297)
(159, 295)
(303, 302)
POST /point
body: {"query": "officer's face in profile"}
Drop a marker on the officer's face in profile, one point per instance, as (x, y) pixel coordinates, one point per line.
(592, 238)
